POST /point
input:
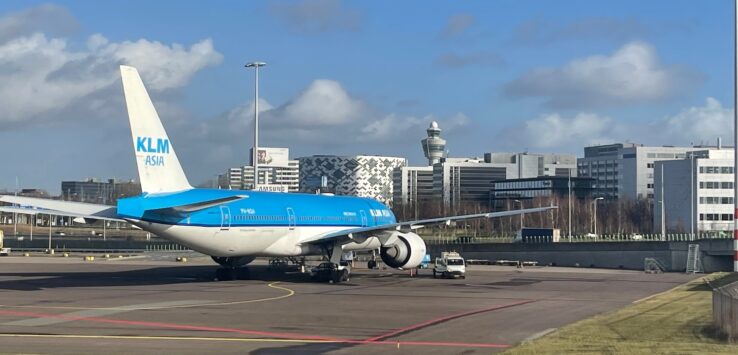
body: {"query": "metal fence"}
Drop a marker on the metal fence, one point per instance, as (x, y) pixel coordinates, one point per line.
(725, 310)
(77, 244)
(460, 239)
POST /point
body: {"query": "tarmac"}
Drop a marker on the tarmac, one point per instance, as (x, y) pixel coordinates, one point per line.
(152, 304)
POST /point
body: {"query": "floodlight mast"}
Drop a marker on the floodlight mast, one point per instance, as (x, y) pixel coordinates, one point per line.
(255, 152)
(735, 140)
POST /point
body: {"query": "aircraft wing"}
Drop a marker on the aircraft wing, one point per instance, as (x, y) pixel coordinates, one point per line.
(358, 234)
(32, 205)
(36, 211)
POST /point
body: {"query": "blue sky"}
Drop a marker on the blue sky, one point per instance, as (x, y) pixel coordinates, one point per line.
(357, 78)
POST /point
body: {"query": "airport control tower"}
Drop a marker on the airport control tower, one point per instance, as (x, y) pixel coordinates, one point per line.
(434, 145)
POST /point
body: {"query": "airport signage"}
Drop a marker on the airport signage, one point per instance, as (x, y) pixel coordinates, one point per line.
(273, 188)
(273, 157)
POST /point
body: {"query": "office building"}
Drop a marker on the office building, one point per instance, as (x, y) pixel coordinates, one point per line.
(271, 178)
(625, 170)
(544, 186)
(99, 192)
(460, 181)
(697, 192)
(276, 173)
(358, 175)
(530, 165)
(412, 185)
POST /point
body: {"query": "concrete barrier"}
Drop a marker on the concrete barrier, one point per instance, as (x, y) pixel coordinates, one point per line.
(725, 310)
(715, 254)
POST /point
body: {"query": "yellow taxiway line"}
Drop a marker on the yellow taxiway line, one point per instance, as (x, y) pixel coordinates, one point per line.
(273, 285)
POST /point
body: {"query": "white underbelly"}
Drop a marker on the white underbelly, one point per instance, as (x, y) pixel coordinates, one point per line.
(242, 241)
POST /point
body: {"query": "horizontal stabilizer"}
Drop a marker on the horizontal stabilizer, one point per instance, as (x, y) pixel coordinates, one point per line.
(197, 206)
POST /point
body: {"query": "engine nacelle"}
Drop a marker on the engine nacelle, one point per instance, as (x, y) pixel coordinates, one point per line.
(406, 252)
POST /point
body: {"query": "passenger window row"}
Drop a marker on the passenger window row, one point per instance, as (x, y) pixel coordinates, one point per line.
(327, 219)
(260, 218)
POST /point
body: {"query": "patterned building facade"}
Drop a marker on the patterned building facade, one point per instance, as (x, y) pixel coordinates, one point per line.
(358, 175)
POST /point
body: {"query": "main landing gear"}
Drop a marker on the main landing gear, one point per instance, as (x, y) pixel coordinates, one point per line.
(232, 269)
(334, 272)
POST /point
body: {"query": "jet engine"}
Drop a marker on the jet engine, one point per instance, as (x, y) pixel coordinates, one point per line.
(405, 251)
(236, 261)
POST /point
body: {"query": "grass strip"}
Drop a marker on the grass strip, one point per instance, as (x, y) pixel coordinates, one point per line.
(675, 322)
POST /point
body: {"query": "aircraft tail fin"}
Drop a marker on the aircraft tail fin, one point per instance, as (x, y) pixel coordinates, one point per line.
(158, 167)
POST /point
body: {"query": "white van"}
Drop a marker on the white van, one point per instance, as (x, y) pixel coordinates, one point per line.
(450, 264)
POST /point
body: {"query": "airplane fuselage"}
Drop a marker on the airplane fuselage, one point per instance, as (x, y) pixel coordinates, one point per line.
(260, 224)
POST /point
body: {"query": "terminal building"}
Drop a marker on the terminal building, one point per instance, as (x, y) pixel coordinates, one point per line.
(462, 181)
(357, 175)
(697, 192)
(625, 170)
(455, 182)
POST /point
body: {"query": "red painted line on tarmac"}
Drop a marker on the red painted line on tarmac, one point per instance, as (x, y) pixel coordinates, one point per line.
(443, 319)
(286, 336)
(172, 326)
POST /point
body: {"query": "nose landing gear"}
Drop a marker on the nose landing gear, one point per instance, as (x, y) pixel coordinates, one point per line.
(232, 273)
(233, 268)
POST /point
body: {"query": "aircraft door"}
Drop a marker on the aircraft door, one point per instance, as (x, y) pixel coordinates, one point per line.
(291, 218)
(363, 218)
(225, 218)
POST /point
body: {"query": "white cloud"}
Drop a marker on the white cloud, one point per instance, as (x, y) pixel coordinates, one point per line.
(322, 103)
(48, 18)
(691, 126)
(318, 16)
(631, 75)
(42, 76)
(318, 120)
(66, 93)
(701, 124)
(163, 66)
(555, 131)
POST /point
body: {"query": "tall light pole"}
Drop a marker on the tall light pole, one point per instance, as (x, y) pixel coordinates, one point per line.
(663, 206)
(595, 214)
(691, 195)
(255, 153)
(521, 215)
(15, 215)
(735, 143)
(569, 207)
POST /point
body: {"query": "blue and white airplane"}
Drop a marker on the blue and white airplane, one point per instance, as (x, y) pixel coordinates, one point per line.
(234, 227)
